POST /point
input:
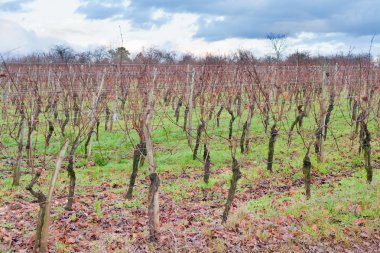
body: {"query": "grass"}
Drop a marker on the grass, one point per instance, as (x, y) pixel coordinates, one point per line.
(98, 207)
(332, 210)
(133, 203)
(61, 247)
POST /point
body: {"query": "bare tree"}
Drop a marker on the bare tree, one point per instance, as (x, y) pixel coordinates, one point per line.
(278, 43)
(62, 53)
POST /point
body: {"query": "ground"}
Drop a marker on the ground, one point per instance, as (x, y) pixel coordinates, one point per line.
(269, 213)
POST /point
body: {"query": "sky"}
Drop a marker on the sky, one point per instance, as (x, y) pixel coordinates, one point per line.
(320, 27)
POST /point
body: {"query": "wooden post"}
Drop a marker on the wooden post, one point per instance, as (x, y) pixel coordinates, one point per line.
(153, 209)
(45, 224)
(93, 120)
(322, 117)
(190, 136)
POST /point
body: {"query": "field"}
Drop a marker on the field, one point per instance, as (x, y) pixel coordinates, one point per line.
(269, 210)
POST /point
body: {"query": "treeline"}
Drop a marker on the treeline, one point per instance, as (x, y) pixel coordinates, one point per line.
(120, 55)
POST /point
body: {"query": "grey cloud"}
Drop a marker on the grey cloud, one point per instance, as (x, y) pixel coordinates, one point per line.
(101, 9)
(98, 11)
(13, 5)
(139, 14)
(248, 18)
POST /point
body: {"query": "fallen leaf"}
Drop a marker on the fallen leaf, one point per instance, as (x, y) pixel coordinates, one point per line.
(71, 240)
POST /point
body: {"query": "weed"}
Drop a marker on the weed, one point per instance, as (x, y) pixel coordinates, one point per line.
(98, 207)
(73, 217)
(61, 247)
(100, 160)
(209, 185)
(133, 203)
(7, 225)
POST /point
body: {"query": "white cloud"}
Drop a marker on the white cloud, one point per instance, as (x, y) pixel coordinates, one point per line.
(48, 22)
(17, 40)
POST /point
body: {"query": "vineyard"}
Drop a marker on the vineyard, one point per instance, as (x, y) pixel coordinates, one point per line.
(232, 157)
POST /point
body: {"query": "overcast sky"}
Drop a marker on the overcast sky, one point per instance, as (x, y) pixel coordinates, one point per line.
(197, 26)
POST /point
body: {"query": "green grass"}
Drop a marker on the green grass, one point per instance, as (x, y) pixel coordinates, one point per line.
(133, 203)
(98, 207)
(333, 211)
(61, 247)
